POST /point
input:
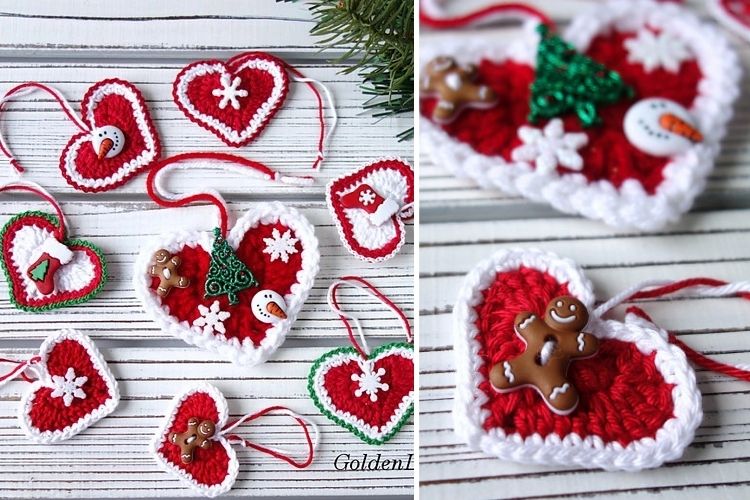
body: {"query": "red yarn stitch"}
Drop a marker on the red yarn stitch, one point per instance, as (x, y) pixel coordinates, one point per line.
(509, 9)
(209, 466)
(242, 324)
(48, 413)
(116, 110)
(623, 396)
(16, 276)
(344, 184)
(340, 386)
(608, 155)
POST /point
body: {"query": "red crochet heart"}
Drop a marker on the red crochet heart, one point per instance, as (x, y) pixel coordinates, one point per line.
(246, 340)
(45, 416)
(75, 282)
(334, 390)
(262, 77)
(120, 104)
(214, 469)
(389, 179)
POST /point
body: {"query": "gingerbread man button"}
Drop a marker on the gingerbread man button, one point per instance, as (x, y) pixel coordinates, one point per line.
(197, 435)
(551, 344)
(165, 268)
(455, 88)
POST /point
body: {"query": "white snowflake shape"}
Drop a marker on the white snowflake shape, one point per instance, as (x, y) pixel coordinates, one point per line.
(229, 92)
(369, 381)
(657, 50)
(211, 319)
(551, 147)
(367, 197)
(68, 387)
(280, 246)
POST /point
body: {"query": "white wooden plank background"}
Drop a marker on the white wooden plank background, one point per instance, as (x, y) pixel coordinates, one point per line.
(73, 45)
(461, 225)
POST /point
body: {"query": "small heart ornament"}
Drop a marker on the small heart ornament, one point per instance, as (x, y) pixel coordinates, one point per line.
(75, 388)
(637, 382)
(368, 393)
(734, 14)
(589, 155)
(369, 206)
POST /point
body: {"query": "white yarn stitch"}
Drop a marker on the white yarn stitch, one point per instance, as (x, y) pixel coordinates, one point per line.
(245, 352)
(389, 184)
(99, 364)
(219, 440)
(139, 113)
(630, 206)
(590, 452)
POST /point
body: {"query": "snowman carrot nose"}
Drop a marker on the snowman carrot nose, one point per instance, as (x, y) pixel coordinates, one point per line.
(105, 148)
(677, 125)
(276, 310)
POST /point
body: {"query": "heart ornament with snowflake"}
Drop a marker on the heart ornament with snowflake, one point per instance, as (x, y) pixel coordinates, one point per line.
(618, 119)
(369, 206)
(74, 388)
(582, 372)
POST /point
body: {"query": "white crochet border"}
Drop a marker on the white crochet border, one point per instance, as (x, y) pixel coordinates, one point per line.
(261, 115)
(629, 206)
(245, 353)
(368, 430)
(182, 475)
(590, 452)
(127, 169)
(339, 225)
(99, 364)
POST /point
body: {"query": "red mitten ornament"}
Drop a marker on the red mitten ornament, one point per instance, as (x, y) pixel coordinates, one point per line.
(44, 268)
(235, 292)
(370, 393)
(117, 139)
(619, 118)
(195, 441)
(72, 390)
(369, 206)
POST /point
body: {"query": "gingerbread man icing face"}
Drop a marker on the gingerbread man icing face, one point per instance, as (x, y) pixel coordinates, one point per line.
(197, 435)
(551, 343)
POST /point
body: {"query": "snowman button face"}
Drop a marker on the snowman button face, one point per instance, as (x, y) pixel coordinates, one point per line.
(268, 306)
(660, 127)
(107, 141)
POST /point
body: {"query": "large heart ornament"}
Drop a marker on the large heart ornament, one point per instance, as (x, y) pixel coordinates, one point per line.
(278, 245)
(638, 401)
(335, 384)
(76, 389)
(233, 100)
(660, 50)
(23, 239)
(111, 103)
(369, 205)
(213, 470)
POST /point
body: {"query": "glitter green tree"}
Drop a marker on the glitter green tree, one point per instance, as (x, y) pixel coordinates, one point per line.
(569, 81)
(227, 275)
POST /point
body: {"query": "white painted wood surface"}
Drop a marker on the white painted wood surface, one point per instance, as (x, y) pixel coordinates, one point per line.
(462, 225)
(73, 45)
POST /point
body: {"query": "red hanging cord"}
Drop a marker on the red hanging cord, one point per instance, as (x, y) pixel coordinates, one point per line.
(510, 10)
(270, 451)
(38, 190)
(18, 369)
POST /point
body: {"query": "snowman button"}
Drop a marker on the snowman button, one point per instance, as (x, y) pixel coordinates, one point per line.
(660, 127)
(268, 306)
(107, 141)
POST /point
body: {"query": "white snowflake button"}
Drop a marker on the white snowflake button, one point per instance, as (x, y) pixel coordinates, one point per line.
(660, 127)
(280, 246)
(211, 319)
(229, 91)
(68, 387)
(657, 50)
(550, 147)
(369, 381)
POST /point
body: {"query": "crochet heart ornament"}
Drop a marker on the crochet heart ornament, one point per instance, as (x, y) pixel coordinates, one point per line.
(633, 149)
(212, 470)
(278, 246)
(638, 404)
(369, 206)
(116, 115)
(233, 100)
(75, 389)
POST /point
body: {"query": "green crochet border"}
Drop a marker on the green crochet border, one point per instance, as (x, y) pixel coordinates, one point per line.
(57, 305)
(361, 435)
